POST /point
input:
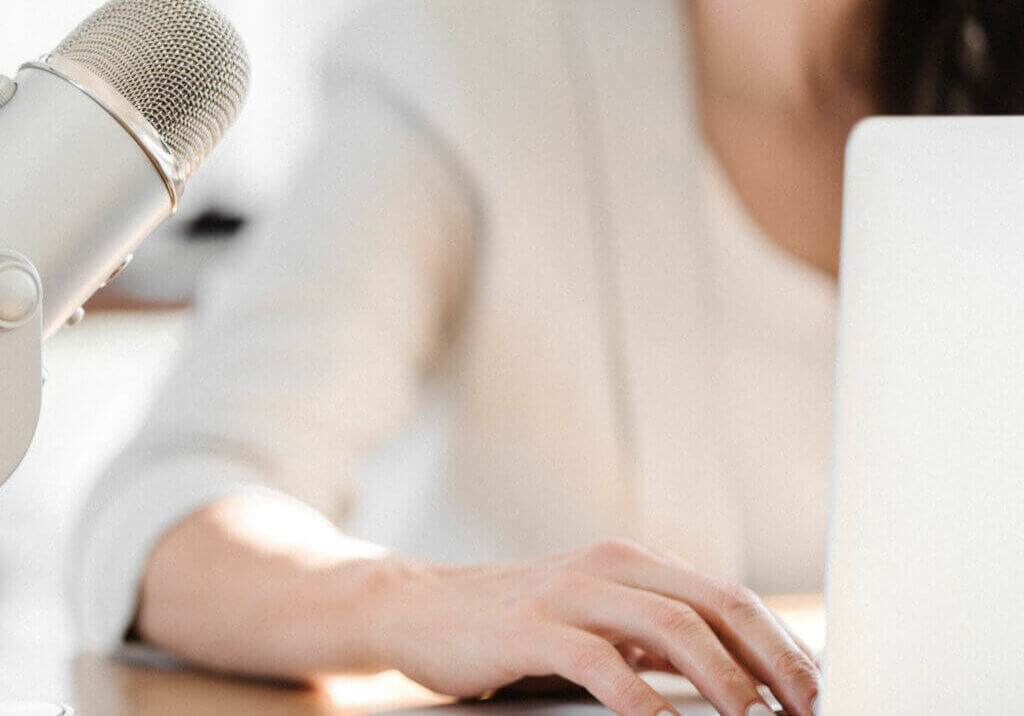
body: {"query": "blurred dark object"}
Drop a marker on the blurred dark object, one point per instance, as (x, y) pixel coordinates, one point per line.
(214, 225)
(111, 301)
(949, 57)
(548, 688)
(168, 268)
(539, 687)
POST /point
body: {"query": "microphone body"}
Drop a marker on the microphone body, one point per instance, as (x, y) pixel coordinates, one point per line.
(101, 134)
(97, 140)
(78, 192)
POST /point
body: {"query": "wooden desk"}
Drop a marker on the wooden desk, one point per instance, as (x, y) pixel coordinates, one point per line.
(106, 687)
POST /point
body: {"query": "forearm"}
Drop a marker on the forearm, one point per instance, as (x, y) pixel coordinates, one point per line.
(257, 586)
(253, 585)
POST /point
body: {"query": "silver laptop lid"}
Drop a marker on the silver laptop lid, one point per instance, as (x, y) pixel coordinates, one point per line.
(926, 576)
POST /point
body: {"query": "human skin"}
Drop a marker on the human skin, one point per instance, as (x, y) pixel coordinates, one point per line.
(781, 84)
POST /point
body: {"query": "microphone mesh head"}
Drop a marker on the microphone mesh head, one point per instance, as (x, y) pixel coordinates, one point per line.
(180, 63)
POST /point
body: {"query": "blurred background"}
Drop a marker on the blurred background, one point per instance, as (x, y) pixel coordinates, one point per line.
(103, 372)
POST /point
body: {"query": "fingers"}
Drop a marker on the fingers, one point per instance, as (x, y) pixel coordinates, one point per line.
(669, 628)
(799, 642)
(751, 632)
(739, 618)
(597, 666)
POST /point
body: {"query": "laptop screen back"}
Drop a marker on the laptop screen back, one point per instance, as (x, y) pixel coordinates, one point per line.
(926, 575)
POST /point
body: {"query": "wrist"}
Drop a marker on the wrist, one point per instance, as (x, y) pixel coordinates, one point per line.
(367, 599)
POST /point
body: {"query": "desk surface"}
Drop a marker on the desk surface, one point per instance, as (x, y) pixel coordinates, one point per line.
(101, 686)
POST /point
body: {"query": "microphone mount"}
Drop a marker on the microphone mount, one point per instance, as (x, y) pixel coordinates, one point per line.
(21, 370)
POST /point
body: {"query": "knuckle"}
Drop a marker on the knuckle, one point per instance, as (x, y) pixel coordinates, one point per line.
(741, 602)
(729, 677)
(677, 620)
(793, 665)
(613, 551)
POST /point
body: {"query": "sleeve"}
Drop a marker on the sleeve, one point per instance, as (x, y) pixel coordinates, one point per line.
(307, 351)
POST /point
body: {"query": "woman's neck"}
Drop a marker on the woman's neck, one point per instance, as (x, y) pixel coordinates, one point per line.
(798, 55)
(778, 99)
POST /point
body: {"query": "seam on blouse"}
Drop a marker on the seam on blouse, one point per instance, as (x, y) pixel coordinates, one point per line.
(589, 128)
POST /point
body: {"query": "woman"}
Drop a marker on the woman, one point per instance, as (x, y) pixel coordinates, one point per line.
(588, 248)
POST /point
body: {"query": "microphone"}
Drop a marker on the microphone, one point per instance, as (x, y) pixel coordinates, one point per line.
(97, 140)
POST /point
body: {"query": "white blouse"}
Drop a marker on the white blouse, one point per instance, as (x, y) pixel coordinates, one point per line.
(510, 307)
(774, 319)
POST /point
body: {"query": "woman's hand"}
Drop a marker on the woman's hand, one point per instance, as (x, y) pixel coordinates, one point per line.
(262, 586)
(590, 616)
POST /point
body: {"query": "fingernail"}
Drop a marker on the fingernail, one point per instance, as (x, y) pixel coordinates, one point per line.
(666, 713)
(814, 706)
(759, 710)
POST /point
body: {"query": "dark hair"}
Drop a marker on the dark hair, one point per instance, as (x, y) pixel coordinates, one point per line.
(949, 56)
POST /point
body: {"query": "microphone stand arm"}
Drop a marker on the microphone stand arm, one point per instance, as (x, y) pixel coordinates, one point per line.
(21, 371)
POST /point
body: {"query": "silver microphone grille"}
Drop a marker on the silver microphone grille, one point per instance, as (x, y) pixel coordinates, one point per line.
(180, 63)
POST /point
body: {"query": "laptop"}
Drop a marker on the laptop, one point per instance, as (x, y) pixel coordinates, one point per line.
(925, 588)
(925, 593)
